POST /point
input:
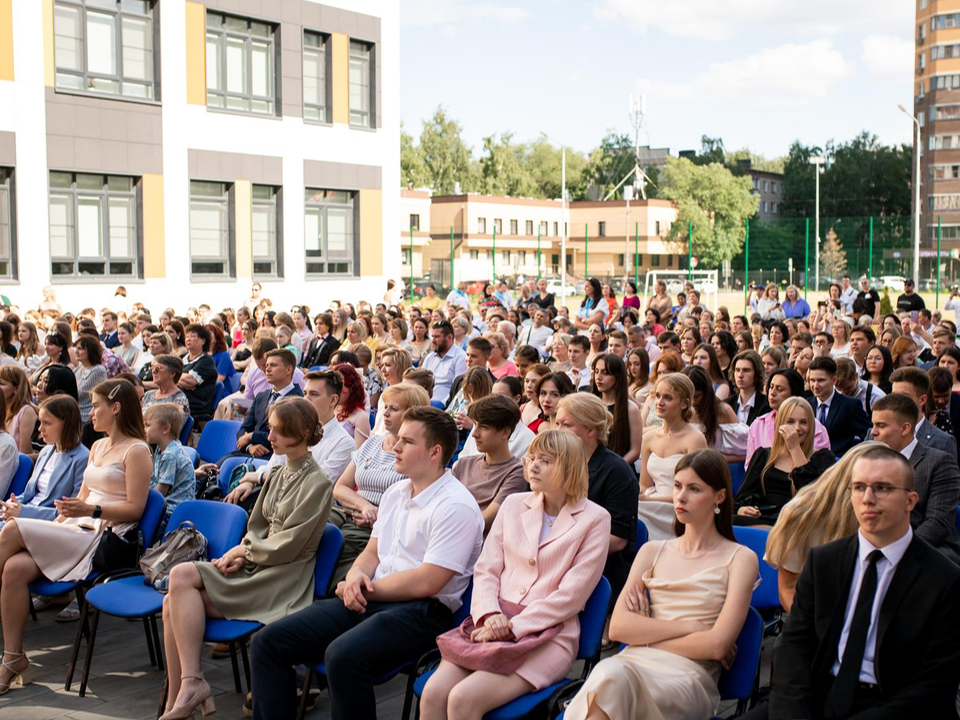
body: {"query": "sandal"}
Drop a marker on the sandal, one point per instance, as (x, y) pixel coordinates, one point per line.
(20, 677)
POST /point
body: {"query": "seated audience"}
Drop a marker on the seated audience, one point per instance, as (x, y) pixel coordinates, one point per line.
(719, 424)
(609, 382)
(21, 417)
(843, 417)
(850, 383)
(446, 362)
(748, 401)
(199, 379)
(166, 371)
(915, 383)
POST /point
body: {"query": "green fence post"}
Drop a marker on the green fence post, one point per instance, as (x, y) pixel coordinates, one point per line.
(411, 263)
(538, 254)
(636, 257)
(493, 257)
(870, 251)
(689, 249)
(806, 262)
(746, 266)
(586, 252)
(939, 240)
(452, 282)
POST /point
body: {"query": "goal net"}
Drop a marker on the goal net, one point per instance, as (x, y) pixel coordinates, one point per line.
(705, 281)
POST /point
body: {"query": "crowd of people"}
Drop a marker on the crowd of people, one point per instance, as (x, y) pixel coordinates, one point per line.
(512, 443)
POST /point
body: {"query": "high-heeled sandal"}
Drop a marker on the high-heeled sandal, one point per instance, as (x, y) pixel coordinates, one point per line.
(20, 677)
(202, 696)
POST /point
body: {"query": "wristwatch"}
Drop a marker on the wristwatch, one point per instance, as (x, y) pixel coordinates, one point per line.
(97, 512)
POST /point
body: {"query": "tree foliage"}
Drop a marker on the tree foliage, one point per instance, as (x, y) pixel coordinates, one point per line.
(833, 259)
(445, 155)
(413, 171)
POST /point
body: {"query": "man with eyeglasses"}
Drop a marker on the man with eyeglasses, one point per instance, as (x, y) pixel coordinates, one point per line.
(937, 477)
(874, 630)
(822, 344)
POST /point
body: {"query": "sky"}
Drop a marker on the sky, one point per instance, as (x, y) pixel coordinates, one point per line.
(757, 74)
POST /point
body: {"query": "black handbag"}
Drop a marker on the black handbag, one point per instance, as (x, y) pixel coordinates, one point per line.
(118, 552)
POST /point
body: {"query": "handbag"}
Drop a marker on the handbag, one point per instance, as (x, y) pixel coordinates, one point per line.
(118, 552)
(185, 544)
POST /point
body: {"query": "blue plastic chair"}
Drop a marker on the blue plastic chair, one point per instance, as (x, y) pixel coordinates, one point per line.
(437, 404)
(220, 394)
(193, 455)
(642, 534)
(236, 632)
(232, 384)
(766, 596)
(222, 524)
(737, 473)
(737, 683)
(231, 464)
(218, 438)
(186, 430)
(592, 619)
(22, 476)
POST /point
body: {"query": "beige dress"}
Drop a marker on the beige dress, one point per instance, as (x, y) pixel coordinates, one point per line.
(64, 550)
(644, 683)
(281, 543)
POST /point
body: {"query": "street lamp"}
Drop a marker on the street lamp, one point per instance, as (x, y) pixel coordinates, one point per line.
(916, 200)
(563, 220)
(818, 161)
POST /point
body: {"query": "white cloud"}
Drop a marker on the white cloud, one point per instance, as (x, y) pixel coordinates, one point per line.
(425, 13)
(724, 19)
(888, 55)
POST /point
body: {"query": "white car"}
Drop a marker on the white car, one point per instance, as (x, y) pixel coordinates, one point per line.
(554, 286)
(894, 282)
(674, 287)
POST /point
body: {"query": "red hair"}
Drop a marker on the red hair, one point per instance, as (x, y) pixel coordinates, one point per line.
(354, 395)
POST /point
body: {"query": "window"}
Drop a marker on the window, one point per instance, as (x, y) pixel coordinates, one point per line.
(315, 77)
(414, 221)
(669, 260)
(950, 232)
(361, 88)
(922, 60)
(498, 226)
(944, 202)
(528, 227)
(241, 69)
(774, 186)
(556, 229)
(765, 206)
(602, 229)
(939, 52)
(756, 183)
(105, 46)
(656, 226)
(944, 142)
(654, 261)
(766, 186)
(943, 22)
(474, 254)
(945, 112)
(505, 254)
(620, 259)
(329, 232)
(923, 4)
(266, 232)
(482, 226)
(521, 257)
(405, 256)
(921, 118)
(6, 224)
(513, 227)
(93, 225)
(555, 263)
(773, 208)
(543, 227)
(943, 82)
(211, 242)
(639, 259)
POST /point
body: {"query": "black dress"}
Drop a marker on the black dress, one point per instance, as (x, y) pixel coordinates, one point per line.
(775, 492)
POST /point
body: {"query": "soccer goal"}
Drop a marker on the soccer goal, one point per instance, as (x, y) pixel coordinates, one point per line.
(705, 281)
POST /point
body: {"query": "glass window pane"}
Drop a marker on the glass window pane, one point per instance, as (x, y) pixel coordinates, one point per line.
(211, 189)
(260, 70)
(137, 41)
(61, 180)
(214, 20)
(313, 80)
(311, 39)
(122, 227)
(206, 229)
(101, 43)
(90, 182)
(89, 228)
(118, 183)
(103, 85)
(262, 192)
(311, 233)
(339, 232)
(264, 231)
(236, 66)
(137, 6)
(213, 63)
(260, 29)
(4, 222)
(236, 24)
(68, 38)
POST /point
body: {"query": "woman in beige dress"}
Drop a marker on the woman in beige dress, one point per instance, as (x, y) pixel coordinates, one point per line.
(113, 494)
(681, 610)
(268, 576)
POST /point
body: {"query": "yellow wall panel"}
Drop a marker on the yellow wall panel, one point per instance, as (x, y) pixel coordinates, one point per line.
(49, 68)
(243, 203)
(340, 82)
(371, 232)
(196, 14)
(6, 40)
(154, 243)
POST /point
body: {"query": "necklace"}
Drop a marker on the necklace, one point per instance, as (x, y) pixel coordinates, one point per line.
(551, 519)
(288, 479)
(702, 552)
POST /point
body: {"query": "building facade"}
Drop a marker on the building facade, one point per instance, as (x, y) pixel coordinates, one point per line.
(186, 149)
(768, 188)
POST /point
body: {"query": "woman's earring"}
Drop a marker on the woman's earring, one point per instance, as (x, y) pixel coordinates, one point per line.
(716, 510)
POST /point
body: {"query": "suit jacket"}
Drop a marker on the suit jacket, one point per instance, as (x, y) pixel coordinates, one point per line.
(552, 579)
(917, 660)
(760, 406)
(319, 351)
(930, 435)
(847, 424)
(255, 421)
(110, 340)
(64, 481)
(938, 485)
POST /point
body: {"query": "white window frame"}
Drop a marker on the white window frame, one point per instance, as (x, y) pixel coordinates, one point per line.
(266, 200)
(319, 203)
(221, 202)
(314, 112)
(361, 83)
(8, 230)
(219, 35)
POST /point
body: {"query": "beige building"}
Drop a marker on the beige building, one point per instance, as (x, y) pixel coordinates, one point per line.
(414, 230)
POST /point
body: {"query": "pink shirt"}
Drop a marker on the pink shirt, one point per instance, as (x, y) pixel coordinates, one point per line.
(508, 368)
(761, 435)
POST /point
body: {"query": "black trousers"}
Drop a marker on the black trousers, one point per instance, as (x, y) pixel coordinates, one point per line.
(356, 649)
(864, 699)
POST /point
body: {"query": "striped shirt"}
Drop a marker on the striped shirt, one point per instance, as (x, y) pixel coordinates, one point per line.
(375, 469)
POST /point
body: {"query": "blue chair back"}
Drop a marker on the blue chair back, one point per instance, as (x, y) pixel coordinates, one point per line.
(22, 475)
(958, 519)
(226, 470)
(233, 383)
(437, 404)
(186, 430)
(192, 454)
(373, 418)
(219, 437)
(220, 395)
(737, 682)
(222, 524)
(328, 555)
(766, 595)
(737, 473)
(465, 601)
(642, 534)
(152, 514)
(592, 619)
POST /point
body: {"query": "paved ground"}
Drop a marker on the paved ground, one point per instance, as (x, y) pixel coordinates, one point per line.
(124, 685)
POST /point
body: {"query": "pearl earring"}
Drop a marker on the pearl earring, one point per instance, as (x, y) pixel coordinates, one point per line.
(716, 510)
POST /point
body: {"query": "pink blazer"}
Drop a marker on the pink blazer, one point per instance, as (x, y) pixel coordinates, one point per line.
(553, 579)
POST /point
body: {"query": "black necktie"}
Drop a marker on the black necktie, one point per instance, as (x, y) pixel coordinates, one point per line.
(840, 700)
(273, 398)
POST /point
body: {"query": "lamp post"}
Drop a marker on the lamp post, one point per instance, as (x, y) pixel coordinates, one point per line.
(817, 161)
(563, 220)
(916, 200)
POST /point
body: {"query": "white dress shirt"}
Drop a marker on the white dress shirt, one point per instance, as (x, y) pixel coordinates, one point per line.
(886, 567)
(579, 378)
(907, 452)
(333, 453)
(846, 299)
(536, 336)
(441, 526)
(826, 403)
(743, 413)
(445, 370)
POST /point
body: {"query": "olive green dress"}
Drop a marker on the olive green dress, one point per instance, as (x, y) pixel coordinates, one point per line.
(281, 543)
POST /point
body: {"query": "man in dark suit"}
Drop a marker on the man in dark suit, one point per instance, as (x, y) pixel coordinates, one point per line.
(846, 422)
(108, 337)
(840, 656)
(748, 402)
(936, 473)
(323, 345)
(252, 437)
(915, 384)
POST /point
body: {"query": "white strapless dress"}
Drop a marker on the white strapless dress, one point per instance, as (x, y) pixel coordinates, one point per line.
(659, 516)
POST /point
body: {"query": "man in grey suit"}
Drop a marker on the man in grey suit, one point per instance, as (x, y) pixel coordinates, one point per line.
(915, 384)
(938, 478)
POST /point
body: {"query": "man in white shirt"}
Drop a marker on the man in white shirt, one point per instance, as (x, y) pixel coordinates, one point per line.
(853, 386)
(446, 362)
(537, 333)
(400, 593)
(459, 296)
(577, 351)
(848, 293)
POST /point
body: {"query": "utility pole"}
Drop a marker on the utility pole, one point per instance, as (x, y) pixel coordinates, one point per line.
(817, 161)
(916, 201)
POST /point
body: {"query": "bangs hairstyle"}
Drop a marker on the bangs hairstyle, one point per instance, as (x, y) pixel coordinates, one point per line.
(65, 409)
(167, 414)
(712, 469)
(570, 472)
(130, 418)
(296, 419)
(590, 412)
(407, 394)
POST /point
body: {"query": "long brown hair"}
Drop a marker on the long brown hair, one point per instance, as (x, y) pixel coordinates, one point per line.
(65, 409)
(712, 469)
(130, 418)
(16, 376)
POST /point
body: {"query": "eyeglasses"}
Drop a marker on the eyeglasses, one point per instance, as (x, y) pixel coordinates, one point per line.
(881, 490)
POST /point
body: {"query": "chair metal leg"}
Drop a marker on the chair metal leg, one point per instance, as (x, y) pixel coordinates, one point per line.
(246, 663)
(86, 665)
(163, 695)
(408, 696)
(156, 642)
(304, 692)
(146, 631)
(76, 648)
(33, 610)
(236, 667)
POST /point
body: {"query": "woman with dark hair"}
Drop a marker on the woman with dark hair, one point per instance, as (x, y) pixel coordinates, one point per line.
(6, 339)
(950, 359)
(243, 346)
(56, 380)
(352, 412)
(630, 298)
(725, 346)
(487, 298)
(126, 350)
(609, 382)
(681, 611)
(344, 356)
(706, 357)
(175, 330)
(420, 345)
(90, 372)
(510, 386)
(598, 341)
(166, 371)
(653, 319)
(199, 379)
(878, 367)
(638, 369)
(594, 308)
(220, 353)
(779, 335)
(530, 413)
(56, 352)
(551, 389)
(717, 421)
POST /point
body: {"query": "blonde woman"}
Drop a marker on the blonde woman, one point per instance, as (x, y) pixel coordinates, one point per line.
(841, 340)
(356, 332)
(393, 363)
(819, 513)
(776, 473)
(558, 349)
(668, 362)
(21, 412)
(499, 362)
(769, 305)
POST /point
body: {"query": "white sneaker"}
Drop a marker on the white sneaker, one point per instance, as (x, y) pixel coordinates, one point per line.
(71, 613)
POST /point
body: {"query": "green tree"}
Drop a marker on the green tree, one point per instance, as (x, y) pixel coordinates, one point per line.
(833, 260)
(711, 151)
(715, 201)
(757, 162)
(504, 169)
(413, 172)
(446, 157)
(544, 162)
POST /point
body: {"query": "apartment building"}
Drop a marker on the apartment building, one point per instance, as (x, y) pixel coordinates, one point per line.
(768, 187)
(185, 149)
(414, 230)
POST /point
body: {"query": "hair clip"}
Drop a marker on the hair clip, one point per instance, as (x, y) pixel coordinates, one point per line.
(113, 393)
